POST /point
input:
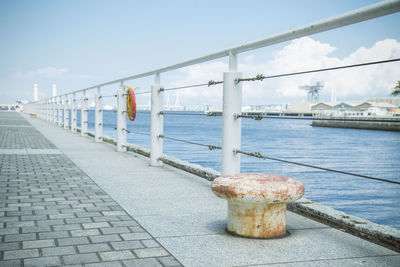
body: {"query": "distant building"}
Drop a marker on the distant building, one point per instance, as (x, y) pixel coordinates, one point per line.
(391, 100)
(301, 107)
(353, 109)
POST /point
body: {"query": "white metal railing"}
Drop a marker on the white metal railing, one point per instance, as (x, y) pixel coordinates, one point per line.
(232, 91)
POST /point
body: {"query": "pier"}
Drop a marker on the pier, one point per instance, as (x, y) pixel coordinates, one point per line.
(72, 196)
(67, 200)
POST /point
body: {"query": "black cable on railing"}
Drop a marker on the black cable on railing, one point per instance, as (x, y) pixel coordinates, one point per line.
(260, 156)
(109, 95)
(134, 132)
(183, 113)
(210, 83)
(261, 77)
(259, 117)
(211, 147)
(143, 92)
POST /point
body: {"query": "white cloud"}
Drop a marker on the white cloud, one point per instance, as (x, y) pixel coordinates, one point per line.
(19, 85)
(51, 72)
(299, 55)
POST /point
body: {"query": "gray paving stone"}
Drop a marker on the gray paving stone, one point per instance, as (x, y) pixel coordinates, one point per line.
(67, 227)
(105, 218)
(10, 263)
(115, 230)
(151, 252)
(149, 262)
(61, 216)
(58, 251)
(20, 254)
(169, 261)
(136, 229)
(51, 213)
(150, 243)
(104, 238)
(35, 229)
(81, 258)
(113, 213)
(20, 224)
(9, 231)
(79, 220)
(136, 236)
(33, 217)
(105, 264)
(38, 243)
(116, 255)
(73, 241)
(90, 232)
(9, 246)
(19, 237)
(56, 234)
(95, 225)
(124, 223)
(127, 245)
(93, 248)
(87, 214)
(42, 261)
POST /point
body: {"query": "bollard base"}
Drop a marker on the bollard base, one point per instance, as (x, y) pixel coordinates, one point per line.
(257, 220)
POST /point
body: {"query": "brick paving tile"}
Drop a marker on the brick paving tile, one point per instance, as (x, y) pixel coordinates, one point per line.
(169, 261)
(117, 255)
(149, 262)
(42, 261)
(151, 252)
(51, 213)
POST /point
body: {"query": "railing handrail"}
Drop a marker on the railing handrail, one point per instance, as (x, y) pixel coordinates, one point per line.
(362, 14)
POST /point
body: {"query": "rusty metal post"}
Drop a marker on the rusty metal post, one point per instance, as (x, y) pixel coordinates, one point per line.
(232, 126)
(257, 202)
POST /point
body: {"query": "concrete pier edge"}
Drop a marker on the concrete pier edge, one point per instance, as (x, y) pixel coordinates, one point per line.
(380, 234)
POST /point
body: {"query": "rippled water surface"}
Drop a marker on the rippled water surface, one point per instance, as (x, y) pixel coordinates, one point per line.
(367, 152)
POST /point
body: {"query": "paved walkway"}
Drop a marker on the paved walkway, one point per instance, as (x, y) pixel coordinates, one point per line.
(52, 213)
(174, 212)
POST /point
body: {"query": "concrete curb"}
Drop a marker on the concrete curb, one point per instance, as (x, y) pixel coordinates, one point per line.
(377, 233)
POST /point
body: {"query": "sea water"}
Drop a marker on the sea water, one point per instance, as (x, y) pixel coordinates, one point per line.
(366, 152)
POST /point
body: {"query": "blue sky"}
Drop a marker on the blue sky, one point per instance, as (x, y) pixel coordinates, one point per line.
(77, 44)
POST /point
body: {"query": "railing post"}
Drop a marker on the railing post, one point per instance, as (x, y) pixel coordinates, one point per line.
(54, 106)
(46, 106)
(232, 126)
(66, 112)
(44, 110)
(156, 130)
(48, 101)
(48, 110)
(53, 111)
(60, 115)
(121, 119)
(73, 113)
(98, 126)
(84, 114)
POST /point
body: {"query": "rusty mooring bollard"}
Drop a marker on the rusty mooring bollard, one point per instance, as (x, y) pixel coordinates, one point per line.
(257, 202)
